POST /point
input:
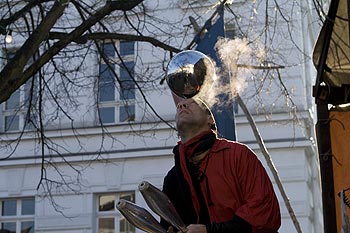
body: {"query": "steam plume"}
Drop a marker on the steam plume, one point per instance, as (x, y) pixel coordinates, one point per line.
(232, 78)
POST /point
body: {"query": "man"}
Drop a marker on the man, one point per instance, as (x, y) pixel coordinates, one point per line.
(217, 185)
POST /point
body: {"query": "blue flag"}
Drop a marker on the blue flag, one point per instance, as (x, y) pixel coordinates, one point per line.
(223, 109)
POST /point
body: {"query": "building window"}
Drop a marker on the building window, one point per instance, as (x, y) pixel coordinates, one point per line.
(14, 110)
(17, 215)
(127, 48)
(117, 98)
(109, 220)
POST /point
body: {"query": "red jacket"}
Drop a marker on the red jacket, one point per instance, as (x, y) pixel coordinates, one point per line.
(238, 185)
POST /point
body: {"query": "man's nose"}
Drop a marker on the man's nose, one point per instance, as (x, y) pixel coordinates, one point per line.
(182, 105)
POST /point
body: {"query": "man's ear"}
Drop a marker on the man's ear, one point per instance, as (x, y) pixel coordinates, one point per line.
(211, 120)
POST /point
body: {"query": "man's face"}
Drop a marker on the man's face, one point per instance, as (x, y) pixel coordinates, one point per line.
(191, 114)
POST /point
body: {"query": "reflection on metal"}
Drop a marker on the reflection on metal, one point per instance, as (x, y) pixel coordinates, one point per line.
(161, 205)
(189, 72)
(139, 217)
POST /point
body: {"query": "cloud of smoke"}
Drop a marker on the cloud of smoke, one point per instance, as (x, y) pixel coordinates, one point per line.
(235, 56)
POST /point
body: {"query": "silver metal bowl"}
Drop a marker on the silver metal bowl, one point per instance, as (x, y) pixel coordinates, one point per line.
(188, 72)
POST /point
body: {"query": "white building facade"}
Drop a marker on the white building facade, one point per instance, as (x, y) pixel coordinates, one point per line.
(88, 168)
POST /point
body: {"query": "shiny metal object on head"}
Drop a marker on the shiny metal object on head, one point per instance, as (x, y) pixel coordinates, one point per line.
(188, 72)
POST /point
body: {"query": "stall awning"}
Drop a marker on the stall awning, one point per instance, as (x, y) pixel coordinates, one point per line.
(331, 55)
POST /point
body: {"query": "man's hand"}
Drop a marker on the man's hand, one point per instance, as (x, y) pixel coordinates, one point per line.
(196, 228)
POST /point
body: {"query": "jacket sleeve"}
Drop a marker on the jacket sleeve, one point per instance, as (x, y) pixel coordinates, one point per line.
(237, 225)
(261, 208)
(179, 194)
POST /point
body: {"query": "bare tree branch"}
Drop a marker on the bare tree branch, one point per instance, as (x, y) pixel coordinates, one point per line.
(12, 71)
(269, 162)
(11, 75)
(115, 36)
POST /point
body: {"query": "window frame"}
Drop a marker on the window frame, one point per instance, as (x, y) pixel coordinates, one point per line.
(114, 213)
(19, 112)
(119, 104)
(19, 218)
